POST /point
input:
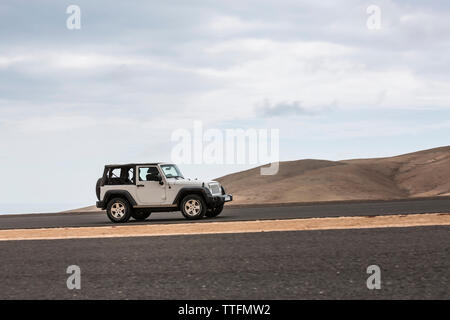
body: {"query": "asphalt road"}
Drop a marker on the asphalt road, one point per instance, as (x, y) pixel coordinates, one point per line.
(237, 214)
(331, 264)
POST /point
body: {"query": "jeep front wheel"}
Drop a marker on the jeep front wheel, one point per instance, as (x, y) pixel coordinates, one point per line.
(193, 207)
(214, 212)
(118, 210)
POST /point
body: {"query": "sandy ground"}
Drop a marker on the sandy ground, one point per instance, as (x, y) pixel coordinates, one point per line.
(228, 227)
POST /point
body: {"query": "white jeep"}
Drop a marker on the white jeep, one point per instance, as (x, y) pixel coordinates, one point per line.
(137, 190)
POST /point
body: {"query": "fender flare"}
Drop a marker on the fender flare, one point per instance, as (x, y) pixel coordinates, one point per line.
(121, 194)
(202, 191)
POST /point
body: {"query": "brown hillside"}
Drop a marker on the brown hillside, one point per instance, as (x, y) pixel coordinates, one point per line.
(420, 174)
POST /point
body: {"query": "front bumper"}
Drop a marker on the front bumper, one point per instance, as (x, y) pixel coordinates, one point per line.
(227, 197)
(215, 201)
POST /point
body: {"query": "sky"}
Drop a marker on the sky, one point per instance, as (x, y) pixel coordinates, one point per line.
(115, 90)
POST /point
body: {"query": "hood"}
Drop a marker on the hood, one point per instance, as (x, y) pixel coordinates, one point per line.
(190, 182)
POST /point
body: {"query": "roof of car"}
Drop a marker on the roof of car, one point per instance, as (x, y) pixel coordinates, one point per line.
(134, 164)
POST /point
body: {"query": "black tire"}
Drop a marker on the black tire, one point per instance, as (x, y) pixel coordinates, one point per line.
(97, 187)
(193, 207)
(140, 215)
(214, 212)
(118, 210)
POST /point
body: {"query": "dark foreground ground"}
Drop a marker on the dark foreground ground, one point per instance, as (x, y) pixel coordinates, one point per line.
(414, 262)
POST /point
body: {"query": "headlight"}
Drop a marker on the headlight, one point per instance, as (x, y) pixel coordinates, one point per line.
(214, 188)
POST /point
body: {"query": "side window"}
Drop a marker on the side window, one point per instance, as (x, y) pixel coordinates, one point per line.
(114, 173)
(113, 176)
(118, 176)
(148, 173)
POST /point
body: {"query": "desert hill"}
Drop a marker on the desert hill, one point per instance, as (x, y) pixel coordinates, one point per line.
(419, 174)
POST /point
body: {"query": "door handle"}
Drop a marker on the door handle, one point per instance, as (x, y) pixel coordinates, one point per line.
(140, 185)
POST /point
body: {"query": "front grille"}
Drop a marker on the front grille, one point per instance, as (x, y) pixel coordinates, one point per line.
(215, 189)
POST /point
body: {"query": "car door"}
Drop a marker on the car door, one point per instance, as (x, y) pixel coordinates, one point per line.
(149, 191)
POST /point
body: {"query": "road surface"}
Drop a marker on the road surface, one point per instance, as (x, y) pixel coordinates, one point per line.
(236, 214)
(331, 264)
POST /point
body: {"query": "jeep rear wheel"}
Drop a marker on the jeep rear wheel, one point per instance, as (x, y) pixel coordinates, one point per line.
(214, 212)
(118, 210)
(140, 215)
(193, 207)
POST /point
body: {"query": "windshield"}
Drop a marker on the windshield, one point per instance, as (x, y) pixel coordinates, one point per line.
(171, 171)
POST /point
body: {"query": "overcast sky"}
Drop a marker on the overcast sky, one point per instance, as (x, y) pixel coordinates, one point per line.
(115, 90)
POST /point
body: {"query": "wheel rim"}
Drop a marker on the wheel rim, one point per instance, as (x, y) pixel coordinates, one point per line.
(118, 210)
(192, 207)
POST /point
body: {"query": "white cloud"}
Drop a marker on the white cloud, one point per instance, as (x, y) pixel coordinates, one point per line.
(230, 24)
(53, 123)
(7, 61)
(318, 74)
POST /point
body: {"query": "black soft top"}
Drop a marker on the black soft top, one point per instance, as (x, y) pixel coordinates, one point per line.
(132, 165)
